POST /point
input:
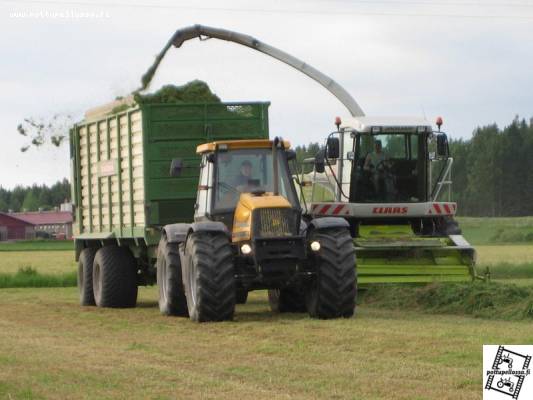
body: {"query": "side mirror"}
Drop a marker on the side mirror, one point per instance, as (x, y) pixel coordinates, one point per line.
(333, 147)
(175, 167)
(320, 164)
(442, 145)
(291, 155)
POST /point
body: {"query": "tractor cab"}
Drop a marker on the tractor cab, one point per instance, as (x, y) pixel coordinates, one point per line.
(245, 180)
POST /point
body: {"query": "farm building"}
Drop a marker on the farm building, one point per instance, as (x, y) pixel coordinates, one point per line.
(13, 228)
(57, 224)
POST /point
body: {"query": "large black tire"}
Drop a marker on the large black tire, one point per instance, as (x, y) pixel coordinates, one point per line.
(172, 299)
(208, 277)
(85, 277)
(241, 296)
(115, 278)
(287, 300)
(332, 293)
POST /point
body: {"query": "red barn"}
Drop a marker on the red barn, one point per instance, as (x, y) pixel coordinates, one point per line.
(13, 228)
(56, 223)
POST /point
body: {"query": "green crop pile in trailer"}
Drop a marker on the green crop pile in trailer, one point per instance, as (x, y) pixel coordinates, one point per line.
(122, 188)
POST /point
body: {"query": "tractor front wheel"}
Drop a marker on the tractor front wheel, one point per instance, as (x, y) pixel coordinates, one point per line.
(208, 277)
(332, 292)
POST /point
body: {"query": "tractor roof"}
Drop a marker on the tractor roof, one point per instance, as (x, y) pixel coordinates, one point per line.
(387, 124)
(239, 144)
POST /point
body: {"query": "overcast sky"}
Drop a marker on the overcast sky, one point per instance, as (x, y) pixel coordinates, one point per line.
(469, 61)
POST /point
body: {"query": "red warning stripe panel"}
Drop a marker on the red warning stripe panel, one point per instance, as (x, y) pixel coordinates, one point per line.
(324, 209)
(447, 208)
(437, 208)
(337, 210)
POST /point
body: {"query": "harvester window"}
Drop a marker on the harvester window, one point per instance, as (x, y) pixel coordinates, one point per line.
(248, 171)
(386, 168)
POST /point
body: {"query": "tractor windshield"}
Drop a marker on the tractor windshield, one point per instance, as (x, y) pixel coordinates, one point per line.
(387, 168)
(249, 171)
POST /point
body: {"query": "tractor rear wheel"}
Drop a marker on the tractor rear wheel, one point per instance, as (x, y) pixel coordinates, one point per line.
(332, 293)
(85, 276)
(287, 300)
(115, 277)
(208, 277)
(172, 299)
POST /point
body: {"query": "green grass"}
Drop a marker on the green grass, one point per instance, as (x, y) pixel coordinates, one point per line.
(50, 347)
(37, 245)
(44, 262)
(492, 300)
(28, 277)
(497, 230)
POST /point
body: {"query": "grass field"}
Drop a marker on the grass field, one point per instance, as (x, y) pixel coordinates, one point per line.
(37, 245)
(497, 230)
(52, 348)
(50, 262)
(395, 347)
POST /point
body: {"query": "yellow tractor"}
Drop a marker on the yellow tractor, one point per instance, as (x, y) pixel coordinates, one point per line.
(248, 234)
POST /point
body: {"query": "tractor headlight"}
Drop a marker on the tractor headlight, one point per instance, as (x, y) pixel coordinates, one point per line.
(246, 249)
(315, 245)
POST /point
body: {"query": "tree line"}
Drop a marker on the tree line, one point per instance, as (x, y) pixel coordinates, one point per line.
(493, 171)
(492, 175)
(34, 198)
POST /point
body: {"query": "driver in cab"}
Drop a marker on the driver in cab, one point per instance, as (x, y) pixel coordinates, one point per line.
(245, 174)
(376, 164)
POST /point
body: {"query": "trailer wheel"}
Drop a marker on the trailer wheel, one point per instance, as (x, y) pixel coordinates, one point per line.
(241, 296)
(172, 299)
(287, 300)
(332, 293)
(208, 277)
(85, 276)
(115, 277)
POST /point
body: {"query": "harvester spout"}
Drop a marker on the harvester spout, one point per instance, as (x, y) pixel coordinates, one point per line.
(203, 32)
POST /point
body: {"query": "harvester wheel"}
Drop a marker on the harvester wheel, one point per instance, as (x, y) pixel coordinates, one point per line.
(172, 299)
(115, 277)
(291, 299)
(85, 276)
(241, 296)
(332, 293)
(208, 277)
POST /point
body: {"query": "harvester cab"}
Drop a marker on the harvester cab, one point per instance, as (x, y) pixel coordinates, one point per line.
(248, 234)
(390, 178)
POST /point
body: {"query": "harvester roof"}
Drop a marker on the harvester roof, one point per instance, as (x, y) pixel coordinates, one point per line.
(386, 124)
(238, 144)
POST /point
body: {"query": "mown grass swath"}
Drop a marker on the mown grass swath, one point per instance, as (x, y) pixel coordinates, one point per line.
(487, 300)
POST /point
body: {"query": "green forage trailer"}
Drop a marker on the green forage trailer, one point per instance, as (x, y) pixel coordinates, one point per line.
(123, 192)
